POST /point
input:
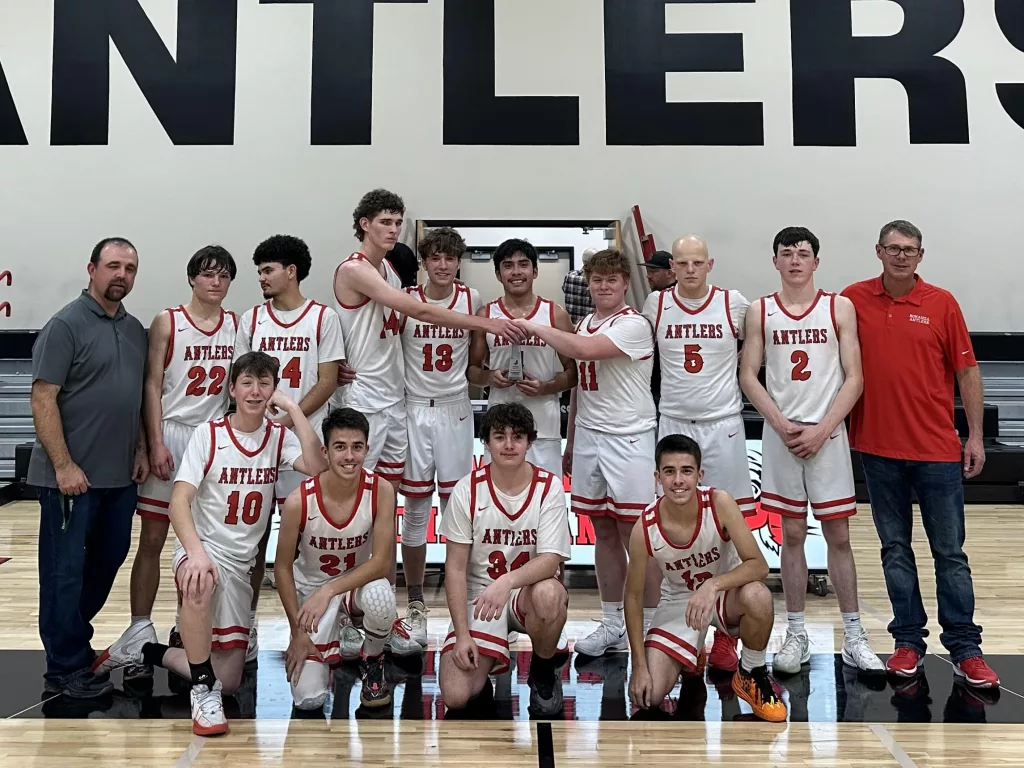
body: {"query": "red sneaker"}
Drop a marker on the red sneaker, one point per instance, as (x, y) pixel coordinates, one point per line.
(977, 673)
(905, 662)
(723, 653)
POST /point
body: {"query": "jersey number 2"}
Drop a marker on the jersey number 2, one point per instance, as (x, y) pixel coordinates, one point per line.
(444, 357)
(329, 563)
(250, 508)
(800, 360)
(499, 566)
(588, 370)
(197, 375)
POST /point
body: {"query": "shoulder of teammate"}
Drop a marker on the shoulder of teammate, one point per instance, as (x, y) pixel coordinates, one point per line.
(733, 525)
(385, 496)
(198, 456)
(738, 306)
(160, 330)
(650, 308)
(845, 314)
(755, 316)
(457, 521)
(632, 333)
(292, 518)
(561, 318)
(330, 341)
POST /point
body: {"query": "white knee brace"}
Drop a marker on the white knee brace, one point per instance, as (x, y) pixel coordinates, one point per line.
(377, 602)
(314, 683)
(414, 521)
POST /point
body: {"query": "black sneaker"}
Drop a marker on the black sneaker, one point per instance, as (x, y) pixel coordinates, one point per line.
(174, 639)
(136, 672)
(376, 691)
(86, 685)
(545, 696)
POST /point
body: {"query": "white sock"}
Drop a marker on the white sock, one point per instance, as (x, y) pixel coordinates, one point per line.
(851, 624)
(795, 620)
(139, 620)
(648, 618)
(751, 660)
(611, 615)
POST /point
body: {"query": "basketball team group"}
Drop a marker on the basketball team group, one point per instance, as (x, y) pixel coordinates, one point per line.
(328, 412)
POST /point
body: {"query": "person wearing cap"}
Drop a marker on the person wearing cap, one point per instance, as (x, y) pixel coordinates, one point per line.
(576, 290)
(660, 276)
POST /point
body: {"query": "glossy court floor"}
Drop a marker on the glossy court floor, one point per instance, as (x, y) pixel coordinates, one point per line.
(837, 717)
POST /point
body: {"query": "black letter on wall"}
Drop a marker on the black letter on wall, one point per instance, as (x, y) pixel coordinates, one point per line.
(638, 53)
(193, 97)
(827, 59)
(472, 113)
(1010, 16)
(341, 98)
(11, 130)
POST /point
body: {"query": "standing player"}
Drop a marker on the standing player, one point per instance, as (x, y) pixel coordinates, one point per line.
(545, 372)
(507, 535)
(715, 577)
(334, 552)
(697, 328)
(611, 434)
(221, 505)
(808, 341)
(305, 337)
(189, 359)
(440, 415)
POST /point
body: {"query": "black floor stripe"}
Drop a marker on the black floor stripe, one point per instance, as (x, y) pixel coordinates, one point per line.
(545, 746)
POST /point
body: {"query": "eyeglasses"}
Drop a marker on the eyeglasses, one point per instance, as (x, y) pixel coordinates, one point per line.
(911, 251)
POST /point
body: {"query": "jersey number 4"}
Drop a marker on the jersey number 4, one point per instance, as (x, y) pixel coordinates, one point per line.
(292, 372)
(251, 507)
(444, 357)
(329, 564)
(800, 360)
(499, 566)
(197, 378)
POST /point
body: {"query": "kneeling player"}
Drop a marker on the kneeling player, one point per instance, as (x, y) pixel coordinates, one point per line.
(508, 532)
(220, 506)
(342, 525)
(713, 578)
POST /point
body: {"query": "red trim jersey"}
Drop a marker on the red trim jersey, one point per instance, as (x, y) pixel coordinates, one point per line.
(614, 395)
(436, 357)
(699, 352)
(686, 565)
(197, 368)
(373, 341)
(803, 368)
(505, 531)
(327, 549)
(234, 475)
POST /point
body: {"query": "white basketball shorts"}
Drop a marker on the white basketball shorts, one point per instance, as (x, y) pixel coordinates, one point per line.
(544, 452)
(825, 480)
(389, 442)
(231, 603)
(670, 634)
(723, 448)
(491, 637)
(440, 445)
(154, 500)
(612, 475)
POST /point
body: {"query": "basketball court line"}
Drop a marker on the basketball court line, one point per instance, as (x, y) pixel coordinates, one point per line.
(901, 757)
(545, 746)
(188, 757)
(28, 709)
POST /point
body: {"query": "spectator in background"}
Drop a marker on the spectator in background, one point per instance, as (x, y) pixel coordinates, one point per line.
(659, 277)
(576, 290)
(405, 263)
(88, 365)
(913, 341)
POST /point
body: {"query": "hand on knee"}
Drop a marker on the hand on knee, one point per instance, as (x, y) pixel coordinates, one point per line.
(310, 692)
(198, 603)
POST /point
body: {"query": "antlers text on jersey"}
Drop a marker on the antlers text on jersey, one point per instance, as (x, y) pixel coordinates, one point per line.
(336, 543)
(284, 344)
(699, 560)
(247, 476)
(533, 341)
(694, 331)
(799, 336)
(195, 352)
(508, 537)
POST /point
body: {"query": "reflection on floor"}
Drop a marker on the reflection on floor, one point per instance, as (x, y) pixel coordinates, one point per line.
(594, 689)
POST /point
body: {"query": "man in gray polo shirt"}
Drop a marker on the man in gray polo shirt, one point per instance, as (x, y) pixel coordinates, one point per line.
(87, 375)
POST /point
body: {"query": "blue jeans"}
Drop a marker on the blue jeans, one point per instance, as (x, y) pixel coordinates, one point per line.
(940, 492)
(83, 541)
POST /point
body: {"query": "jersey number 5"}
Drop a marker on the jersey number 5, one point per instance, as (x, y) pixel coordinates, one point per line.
(692, 361)
(197, 375)
(329, 563)
(250, 508)
(588, 370)
(800, 360)
(499, 566)
(444, 357)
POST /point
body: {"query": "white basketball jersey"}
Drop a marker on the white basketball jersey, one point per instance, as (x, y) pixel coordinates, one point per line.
(614, 395)
(436, 357)
(699, 357)
(327, 549)
(374, 346)
(803, 368)
(685, 566)
(504, 536)
(233, 503)
(295, 345)
(539, 360)
(197, 368)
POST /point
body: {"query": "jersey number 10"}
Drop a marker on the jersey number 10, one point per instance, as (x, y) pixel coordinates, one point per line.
(250, 508)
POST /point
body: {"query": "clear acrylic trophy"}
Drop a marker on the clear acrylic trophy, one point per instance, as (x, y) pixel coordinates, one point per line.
(515, 366)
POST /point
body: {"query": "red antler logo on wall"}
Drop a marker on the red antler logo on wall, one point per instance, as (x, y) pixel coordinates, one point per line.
(6, 275)
(5, 307)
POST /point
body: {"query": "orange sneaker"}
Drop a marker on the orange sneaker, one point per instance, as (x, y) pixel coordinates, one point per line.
(723, 653)
(756, 688)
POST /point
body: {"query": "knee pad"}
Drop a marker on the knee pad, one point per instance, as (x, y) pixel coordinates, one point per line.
(377, 602)
(414, 521)
(313, 686)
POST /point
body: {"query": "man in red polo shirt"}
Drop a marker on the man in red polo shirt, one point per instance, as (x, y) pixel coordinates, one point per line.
(913, 341)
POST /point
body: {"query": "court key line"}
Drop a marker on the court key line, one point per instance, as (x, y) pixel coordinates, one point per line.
(191, 752)
(901, 757)
(27, 709)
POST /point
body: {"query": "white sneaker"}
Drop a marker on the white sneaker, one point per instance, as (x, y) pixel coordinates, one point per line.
(400, 643)
(350, 641)
(563, 642)
(857, 653)
(126, 650)
(602, 640)
(416, 620)
(795, 652)
(253, 649)
(208, 711)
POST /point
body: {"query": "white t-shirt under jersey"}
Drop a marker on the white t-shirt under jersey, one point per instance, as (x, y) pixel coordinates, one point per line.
(614, 395)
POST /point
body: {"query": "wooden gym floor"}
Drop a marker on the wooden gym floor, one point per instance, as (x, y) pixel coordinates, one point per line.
(837, 718)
